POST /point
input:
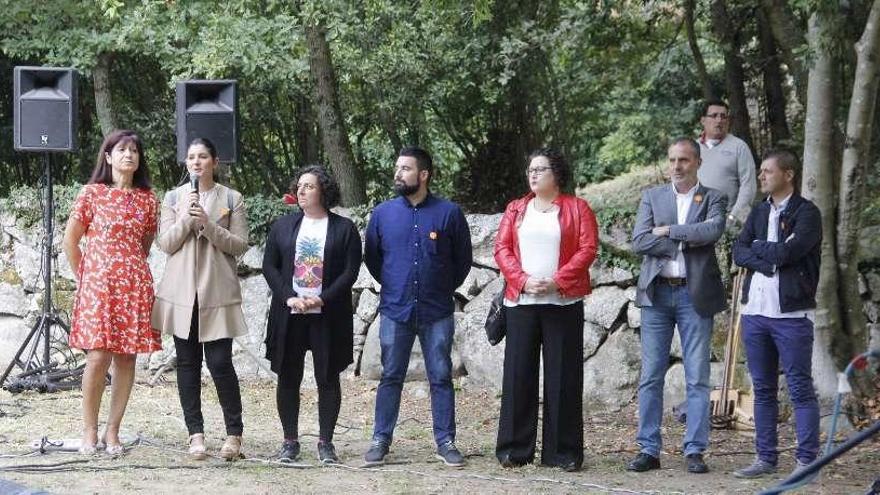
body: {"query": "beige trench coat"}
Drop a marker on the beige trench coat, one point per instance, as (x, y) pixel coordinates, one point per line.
(202, 263)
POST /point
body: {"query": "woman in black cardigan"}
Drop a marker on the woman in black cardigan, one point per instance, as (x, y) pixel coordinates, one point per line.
(311, 262)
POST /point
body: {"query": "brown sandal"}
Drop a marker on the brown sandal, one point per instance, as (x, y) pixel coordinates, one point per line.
(231, 449)
(197, 448)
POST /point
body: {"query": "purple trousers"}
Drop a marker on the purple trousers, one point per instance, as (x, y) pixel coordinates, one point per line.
(769, 343)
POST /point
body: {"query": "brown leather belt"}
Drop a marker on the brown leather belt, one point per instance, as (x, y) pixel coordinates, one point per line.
(673, 281)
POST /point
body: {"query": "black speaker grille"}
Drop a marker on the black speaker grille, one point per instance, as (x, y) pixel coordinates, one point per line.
(49, 118)
(218, 127)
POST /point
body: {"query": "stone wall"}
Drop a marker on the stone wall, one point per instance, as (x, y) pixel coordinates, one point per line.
(611, 340)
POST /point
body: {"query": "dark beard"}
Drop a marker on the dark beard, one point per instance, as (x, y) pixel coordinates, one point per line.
(406, 189)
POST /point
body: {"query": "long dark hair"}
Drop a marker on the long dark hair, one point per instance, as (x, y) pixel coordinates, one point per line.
(103, 171)
(207, 143)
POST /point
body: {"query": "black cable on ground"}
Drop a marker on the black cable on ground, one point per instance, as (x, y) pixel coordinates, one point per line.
(819, 463)
(843, 387)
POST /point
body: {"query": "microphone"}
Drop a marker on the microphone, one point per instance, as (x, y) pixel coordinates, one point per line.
(194, 183)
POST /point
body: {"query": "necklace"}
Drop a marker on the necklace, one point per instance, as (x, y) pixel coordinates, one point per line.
(546, 209)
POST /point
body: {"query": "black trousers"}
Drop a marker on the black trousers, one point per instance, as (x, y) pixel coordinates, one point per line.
(218, 356)
(557, 331)
(306, 332)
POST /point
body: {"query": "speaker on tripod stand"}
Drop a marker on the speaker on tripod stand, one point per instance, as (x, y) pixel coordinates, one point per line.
(44, 121)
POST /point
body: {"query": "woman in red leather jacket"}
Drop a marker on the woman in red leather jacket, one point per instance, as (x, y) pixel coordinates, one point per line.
(545, 245)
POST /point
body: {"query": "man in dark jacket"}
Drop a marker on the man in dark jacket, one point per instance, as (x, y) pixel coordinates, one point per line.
(780, 245)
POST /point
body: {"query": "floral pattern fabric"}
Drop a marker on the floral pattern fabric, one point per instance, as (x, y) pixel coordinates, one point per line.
(114, 297)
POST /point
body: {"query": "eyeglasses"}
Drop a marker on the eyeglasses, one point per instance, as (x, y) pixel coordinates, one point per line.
(537, 170)
(307, 186)
(721, 116)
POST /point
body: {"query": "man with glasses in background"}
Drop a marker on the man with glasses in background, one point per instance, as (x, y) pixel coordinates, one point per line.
(728, 164)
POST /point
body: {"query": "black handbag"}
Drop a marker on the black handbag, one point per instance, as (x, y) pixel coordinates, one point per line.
(496, 320)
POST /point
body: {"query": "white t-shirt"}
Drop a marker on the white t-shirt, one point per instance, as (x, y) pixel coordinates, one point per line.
(539, 238)
(308, 263)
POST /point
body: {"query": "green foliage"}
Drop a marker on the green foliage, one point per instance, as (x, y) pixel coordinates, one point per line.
(623, 218)
(616, 218)
(871, 213)
(619, 258)
(25, 203)
(479, 83)
(262, 211)
(359, 215)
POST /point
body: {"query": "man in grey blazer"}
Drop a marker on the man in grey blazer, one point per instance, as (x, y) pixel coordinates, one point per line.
(679, 285)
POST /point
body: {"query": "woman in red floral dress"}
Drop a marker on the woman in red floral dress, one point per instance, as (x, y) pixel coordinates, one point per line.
(116, 212)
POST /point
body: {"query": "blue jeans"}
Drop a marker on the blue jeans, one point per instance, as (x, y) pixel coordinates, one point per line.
(397, 340)
(672, 306)
(789, 340)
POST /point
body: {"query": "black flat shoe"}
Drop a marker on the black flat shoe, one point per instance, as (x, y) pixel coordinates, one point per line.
(289, 451)
(643, 462)
(508, 463)
(696, 464)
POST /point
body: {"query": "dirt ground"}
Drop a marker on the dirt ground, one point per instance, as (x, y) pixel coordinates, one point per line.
(158, 464)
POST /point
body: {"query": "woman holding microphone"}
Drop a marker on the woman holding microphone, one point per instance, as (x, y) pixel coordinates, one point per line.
(203, 228)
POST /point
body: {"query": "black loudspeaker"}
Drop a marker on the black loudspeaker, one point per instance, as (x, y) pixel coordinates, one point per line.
(208, 109)
(45, 109)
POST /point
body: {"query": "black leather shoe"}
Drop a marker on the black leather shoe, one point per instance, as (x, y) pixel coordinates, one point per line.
(696, 464)
(570, 466)
(508, 462)
(643, 462)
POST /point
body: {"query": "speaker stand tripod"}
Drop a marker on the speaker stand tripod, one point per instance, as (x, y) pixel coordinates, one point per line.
(35, 358)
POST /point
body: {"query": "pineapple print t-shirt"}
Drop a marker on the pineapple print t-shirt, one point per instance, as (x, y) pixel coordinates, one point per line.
(308, 262)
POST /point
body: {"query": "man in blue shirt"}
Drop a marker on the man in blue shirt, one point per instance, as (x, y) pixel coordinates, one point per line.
(418, 246)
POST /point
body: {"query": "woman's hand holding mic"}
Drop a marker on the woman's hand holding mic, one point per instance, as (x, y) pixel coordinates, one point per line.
(196, 212)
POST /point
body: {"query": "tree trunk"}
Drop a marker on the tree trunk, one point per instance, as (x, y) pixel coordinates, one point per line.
(789, 38)
(103, 97)
(306, 136)
(689, 7)
(494, 172)
(728, 37)
(333, 133)
(773, 88)
(388, 125)
(818, 186)
(856, 159)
